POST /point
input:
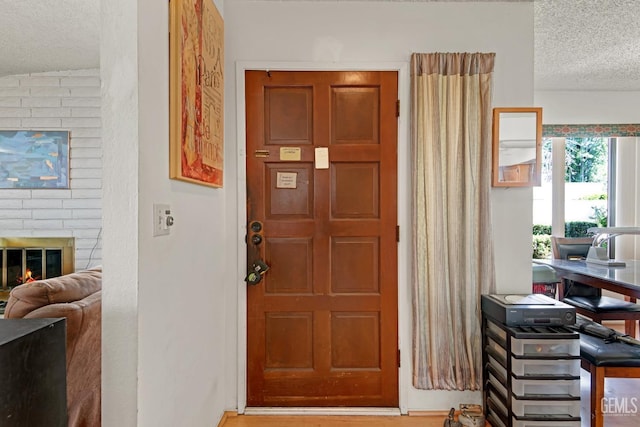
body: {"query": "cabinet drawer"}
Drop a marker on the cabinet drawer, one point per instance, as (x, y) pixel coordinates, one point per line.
(500, 408)
(497, 351)
(548, 423)
(494, 418)
(496, 331)
(532, 408)
(545, 388)
(500, 388)
(545, 347)
(498, 368)
(545, 367)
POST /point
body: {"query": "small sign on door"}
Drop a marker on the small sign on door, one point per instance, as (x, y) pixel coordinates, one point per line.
(322, 157)
(290, 153)
(287, 180)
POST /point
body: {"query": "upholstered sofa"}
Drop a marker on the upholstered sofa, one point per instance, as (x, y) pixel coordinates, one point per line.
(78, 298)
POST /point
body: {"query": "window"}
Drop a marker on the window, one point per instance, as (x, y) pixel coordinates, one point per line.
(580, 198)
(586, 183)
(602, 159)
(597, 161)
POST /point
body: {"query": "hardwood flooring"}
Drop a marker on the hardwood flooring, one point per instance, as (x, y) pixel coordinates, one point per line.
(614, 387)
(628, 388)
(332, 421)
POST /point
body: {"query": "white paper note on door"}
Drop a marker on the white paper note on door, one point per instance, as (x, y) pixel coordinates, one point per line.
(322, 157)
(286, 180)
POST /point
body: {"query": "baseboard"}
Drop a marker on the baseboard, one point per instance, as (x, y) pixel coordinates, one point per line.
(226, 415)
(429, 413)
(323, 411)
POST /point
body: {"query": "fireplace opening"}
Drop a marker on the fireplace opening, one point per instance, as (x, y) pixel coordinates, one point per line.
(26, 259)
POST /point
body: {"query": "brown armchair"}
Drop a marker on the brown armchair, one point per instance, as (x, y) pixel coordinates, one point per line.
(78, 298)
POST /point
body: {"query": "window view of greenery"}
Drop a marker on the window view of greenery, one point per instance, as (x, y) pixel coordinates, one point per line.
(585, 186)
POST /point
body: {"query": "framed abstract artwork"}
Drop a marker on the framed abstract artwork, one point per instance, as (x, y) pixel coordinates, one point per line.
(34, 159)
(196, 64)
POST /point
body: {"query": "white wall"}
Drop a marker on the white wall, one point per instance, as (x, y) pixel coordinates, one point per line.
(596, 107)
(65, 100)
(356, 35)
(164, 308)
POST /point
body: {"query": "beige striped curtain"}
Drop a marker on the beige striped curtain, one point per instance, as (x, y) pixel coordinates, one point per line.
(452, 251)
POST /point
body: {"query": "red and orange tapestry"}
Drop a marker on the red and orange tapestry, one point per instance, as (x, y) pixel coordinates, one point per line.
(196, 92)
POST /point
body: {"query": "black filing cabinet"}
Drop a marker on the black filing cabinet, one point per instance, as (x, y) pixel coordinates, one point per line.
(33, 380)
(531, 375)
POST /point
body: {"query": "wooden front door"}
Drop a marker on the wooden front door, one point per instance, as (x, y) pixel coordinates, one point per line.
(321, 210)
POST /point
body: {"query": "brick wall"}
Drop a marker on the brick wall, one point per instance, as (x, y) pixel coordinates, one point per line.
(67, 100)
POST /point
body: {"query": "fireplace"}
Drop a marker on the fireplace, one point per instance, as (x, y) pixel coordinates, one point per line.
(25, 259)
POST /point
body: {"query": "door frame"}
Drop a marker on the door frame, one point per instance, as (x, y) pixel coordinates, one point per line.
(404, 213)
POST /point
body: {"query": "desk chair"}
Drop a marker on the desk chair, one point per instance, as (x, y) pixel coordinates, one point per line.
(588, 300)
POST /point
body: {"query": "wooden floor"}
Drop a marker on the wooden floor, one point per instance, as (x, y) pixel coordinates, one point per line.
(328, 421)
(625, 388)
(614, 387)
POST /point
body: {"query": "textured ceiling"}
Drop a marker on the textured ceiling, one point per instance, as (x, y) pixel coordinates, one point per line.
(587, 44)
(48, 35)
(579, 44)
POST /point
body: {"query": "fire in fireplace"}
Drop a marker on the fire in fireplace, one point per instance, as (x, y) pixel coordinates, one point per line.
(26, 259)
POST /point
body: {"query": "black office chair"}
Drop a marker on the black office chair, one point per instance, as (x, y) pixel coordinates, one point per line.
(588, 300)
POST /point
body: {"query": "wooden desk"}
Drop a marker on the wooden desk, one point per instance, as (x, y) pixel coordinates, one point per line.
(620, 280)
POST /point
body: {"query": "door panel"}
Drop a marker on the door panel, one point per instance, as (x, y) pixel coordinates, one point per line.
(284, 353)
(289, 203)
(297, 255)
(355, 115)
(288, 115)
(355, 190)
(354, 262)
(322, 322)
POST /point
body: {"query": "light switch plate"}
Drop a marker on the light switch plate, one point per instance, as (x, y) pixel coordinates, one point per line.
(160, 214)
